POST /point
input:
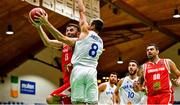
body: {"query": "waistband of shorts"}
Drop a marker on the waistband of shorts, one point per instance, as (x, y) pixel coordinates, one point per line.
(81, 65)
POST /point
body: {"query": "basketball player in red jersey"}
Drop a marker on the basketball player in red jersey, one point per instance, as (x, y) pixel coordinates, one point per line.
(157, 77)
(72, 30)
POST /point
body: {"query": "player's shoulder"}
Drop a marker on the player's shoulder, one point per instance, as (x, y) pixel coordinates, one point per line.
(122, 79)
(167, 59)
(103, 83)
(102, 86)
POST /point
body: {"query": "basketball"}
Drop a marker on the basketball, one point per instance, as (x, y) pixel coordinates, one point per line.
(33, 13)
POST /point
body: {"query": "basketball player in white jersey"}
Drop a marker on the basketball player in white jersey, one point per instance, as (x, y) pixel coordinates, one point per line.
(106, 90)
(88, 48)
(124, 93)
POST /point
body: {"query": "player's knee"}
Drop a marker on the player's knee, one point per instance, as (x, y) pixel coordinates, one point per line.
(49, 99)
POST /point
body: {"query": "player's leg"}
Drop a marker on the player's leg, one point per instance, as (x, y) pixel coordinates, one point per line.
(57, 96)
(61, 89)
(77, 85)
(91, 89)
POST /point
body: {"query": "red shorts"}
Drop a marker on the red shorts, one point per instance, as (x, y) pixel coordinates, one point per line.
(66, 75)
(162, 98)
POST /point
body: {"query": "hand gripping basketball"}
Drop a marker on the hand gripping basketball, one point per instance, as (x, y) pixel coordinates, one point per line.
(35, 12)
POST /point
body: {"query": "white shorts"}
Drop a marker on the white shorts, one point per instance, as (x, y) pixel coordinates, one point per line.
(84, 86)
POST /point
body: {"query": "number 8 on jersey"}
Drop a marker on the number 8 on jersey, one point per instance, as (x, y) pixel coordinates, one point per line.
(93, 50)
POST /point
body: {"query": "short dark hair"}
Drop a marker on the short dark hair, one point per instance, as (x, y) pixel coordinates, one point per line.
(74, 25)
(114, 73)
(135, 62)
(153, 44)
(98, 24)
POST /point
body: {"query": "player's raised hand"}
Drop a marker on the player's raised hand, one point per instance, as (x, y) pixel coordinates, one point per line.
(41, 17)
(35, 24)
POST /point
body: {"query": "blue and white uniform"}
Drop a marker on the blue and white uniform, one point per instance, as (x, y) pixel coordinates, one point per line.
(84, 74)
(105, 97)
(127, 95)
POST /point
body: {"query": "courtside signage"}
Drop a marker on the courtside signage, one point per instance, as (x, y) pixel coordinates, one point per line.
(27, 87)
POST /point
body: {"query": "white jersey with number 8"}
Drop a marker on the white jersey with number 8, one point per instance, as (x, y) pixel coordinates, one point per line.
(88, 50)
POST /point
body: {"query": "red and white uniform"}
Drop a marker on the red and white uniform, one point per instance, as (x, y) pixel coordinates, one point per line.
(67, 52)
(64, 90)
(157, 81)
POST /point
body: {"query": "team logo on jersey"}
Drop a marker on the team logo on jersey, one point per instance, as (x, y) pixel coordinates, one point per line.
(157, 85)
(109, 92)
(127, 86)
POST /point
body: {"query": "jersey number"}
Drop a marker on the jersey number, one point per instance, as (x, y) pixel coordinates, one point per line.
(93, 50)
(156, 76)
(130, 94)
(66, 56)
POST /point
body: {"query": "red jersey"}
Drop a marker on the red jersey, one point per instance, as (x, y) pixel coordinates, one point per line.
(67, 52)
(64, 90)
(157, 78)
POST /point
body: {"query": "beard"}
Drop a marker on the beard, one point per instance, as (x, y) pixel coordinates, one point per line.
(149, 57)
(112, 81)
(132, 73)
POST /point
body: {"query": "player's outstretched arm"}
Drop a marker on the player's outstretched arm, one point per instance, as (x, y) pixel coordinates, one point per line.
(82, 21)
(47, 42)
(58, 35)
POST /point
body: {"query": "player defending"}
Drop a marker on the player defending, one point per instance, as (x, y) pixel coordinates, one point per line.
(88, 48)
